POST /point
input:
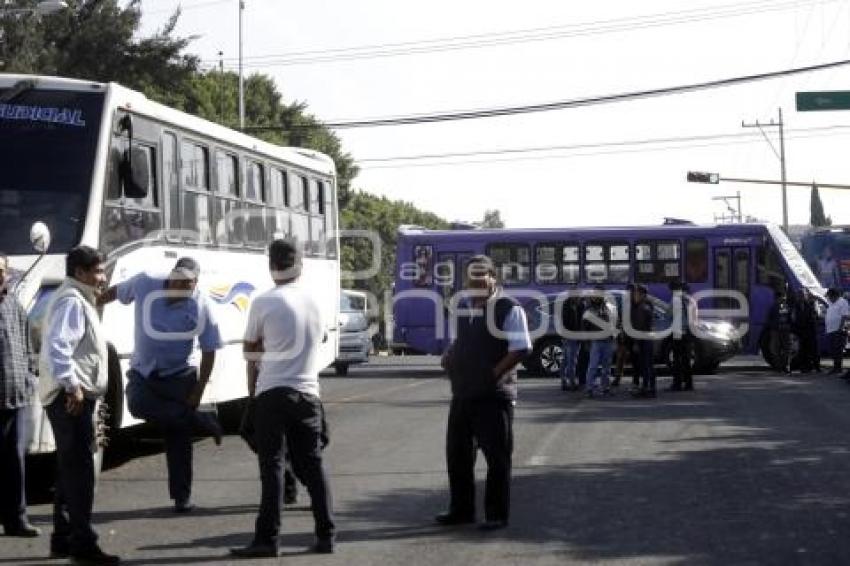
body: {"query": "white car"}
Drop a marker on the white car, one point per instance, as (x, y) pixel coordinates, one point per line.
(354, 339)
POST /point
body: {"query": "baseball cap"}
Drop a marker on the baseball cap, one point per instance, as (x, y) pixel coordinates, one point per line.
(187, 267)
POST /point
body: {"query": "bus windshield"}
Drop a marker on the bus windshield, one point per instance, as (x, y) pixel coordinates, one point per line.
(793, 259)
(48, 140)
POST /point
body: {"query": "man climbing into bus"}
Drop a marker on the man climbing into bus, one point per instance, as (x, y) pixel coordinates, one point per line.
(17, 392)
(74, 377)
(492, 338)
(164, 386)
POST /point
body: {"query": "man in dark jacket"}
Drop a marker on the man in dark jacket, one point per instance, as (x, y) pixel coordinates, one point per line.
(641, 321)
(780, 324)
(492, 337)
(805, 319)
(571, 315)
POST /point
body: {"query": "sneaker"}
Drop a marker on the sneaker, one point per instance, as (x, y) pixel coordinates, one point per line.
(183, 506)
(24, 530)
(493, 524)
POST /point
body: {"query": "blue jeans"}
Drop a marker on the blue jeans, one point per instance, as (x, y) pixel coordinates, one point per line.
(568, 367)
(163, 401)
(599, 364)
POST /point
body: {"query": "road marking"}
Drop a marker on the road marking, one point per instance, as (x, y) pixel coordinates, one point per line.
(374, 394)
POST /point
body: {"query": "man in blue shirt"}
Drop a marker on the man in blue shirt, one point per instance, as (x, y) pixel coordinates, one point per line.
(163, 385)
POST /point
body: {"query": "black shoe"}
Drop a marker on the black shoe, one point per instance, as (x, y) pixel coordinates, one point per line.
(210, 424)
(493, 524)
(24, 530)
(183, 506)
(324, 546)
(449, 519)
(60, 548)
(688, 388)
(256, 551)
(615, 382)
(94, 557)
(290, 498)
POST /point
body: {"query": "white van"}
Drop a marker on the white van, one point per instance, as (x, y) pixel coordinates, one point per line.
(354, 339)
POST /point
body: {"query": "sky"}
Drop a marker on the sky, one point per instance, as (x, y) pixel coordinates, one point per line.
(484, 54)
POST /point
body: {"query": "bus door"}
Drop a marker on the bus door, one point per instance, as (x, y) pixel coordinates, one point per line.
(450, 278)
(732, 270)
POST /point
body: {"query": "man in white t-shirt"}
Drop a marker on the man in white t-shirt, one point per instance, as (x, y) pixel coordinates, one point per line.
(282, 339)
(837, 313)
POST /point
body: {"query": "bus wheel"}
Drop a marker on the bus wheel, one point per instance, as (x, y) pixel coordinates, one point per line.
(547, 356)
(770, 350)
(341, 369)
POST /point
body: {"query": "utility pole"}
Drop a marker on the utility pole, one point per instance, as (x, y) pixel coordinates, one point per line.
(780, 155)
(241, 80)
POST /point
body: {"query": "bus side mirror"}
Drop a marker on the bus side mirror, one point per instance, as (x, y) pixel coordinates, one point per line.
(135, 172)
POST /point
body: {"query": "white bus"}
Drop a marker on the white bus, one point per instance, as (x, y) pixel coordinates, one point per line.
(102, 165)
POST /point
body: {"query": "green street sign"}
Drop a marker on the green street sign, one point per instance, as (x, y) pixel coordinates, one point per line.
(825, 100)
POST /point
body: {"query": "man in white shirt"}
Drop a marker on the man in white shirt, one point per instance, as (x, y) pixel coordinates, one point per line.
(282, 339)
(837, 313)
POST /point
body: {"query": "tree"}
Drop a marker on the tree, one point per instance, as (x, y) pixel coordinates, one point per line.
(492, 219)
(818, 217)
(96, 40)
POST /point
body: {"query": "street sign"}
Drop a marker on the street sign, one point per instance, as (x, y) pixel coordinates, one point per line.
(825, 100)
(702, 177)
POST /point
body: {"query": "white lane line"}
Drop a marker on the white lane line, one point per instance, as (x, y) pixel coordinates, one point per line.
(538, 457)
(380, 392)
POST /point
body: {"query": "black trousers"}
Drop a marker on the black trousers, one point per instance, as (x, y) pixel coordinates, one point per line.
(683, 373)
(809, 354)
(645, 363)
(836, 348)
(286, 415)
(485, 424)
(13, 503)
(74, 498)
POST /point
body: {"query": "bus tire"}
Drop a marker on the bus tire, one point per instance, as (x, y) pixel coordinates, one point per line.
(547, 356)
(341, 369)
(770, 350)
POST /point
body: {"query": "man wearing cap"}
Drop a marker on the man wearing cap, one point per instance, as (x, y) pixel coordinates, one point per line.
(164, 386)
(282, 339)
(492, 338)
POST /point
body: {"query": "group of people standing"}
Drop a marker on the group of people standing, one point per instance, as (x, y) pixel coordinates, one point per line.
(587, 363)
(165, 385)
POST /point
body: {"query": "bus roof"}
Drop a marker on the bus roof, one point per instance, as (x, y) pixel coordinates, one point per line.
(128, 99)
(408, 231)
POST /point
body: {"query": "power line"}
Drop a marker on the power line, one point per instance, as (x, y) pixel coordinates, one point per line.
(538, 149)
(525, 35)
(618, 149)
(558, 105)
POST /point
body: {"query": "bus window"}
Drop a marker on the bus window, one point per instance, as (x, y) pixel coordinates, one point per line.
(171, 181)
(696, 260)
(513, 262)
(128, 220)
(570, 272)
(769, 267)
(328, 210)
(226, 166)
(195, 163)
(545, 265)
(320, 200)
(300, 223)
(742, 270)
(277, 188)
(317, 223)
(254, 182)
(657, 261)
(277, 224)
(296, 193)
(618, 263)
(423, 257)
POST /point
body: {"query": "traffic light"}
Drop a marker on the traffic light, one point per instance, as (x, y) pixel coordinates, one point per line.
(701, 177)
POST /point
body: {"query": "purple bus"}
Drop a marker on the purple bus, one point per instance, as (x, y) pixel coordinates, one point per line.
(752, 259)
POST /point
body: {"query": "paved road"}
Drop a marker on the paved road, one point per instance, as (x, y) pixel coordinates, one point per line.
(752, 468)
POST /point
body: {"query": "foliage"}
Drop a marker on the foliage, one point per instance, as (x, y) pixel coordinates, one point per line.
(95, 40)
(383, 216)
(492, 219)
(817, 216)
